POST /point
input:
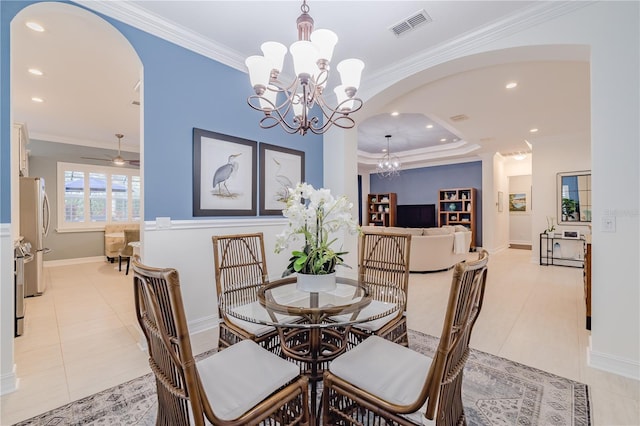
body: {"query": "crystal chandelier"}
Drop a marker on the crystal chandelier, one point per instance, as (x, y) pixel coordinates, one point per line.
(389, 165)
(291, 104)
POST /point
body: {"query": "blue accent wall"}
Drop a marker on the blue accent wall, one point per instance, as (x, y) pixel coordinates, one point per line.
(182, 90)
(421, 186)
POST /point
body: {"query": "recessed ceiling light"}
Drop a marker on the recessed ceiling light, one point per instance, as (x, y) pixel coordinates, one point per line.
(35, 71)
(35, 26)
(533, 130)
(384, 149)
(511, 85)
(37, 99)
(519, 157)
(429, 126)
(443, 140)
(395, 114)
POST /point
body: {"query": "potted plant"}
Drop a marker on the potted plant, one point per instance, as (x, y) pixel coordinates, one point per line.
(550, 226)
(313, 216)
(569, 207)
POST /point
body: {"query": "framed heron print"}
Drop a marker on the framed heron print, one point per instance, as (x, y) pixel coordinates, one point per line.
(224, 175)
(280, 169)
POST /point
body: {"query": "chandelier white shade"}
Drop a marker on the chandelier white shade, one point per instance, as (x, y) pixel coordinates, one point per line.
(389, 165)
(291, 105)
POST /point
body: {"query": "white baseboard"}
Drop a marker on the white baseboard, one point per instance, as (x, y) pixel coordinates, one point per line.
(76, 261)
(521, 243)
(9, 382)
(613, 364)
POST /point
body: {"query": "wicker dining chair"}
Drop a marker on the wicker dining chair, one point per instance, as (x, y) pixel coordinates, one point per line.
(241, 269)
(379, 380)
(126, 252)
(383, 263)
(242, 385)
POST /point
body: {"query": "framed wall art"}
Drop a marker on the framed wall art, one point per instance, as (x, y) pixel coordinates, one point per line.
(280, 168)
(224, 175)
(517, 202)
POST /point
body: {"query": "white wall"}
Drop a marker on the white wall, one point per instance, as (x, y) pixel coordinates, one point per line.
(495, 224)
(340, 171)
(187, 247)
(552, 156)
(520, 231)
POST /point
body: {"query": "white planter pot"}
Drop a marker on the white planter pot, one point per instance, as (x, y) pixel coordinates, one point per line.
(316, 283)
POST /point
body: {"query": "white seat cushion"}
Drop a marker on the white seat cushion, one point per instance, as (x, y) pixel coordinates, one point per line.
(385, 369)
(372, 309)
(257, 311)
(239, 377)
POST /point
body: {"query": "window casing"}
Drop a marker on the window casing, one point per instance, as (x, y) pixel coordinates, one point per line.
(91, 196)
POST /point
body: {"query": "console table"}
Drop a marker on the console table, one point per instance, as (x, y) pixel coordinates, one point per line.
(562, 251)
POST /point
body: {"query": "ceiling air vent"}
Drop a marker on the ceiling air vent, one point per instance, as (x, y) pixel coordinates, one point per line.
(459, 117)
(408, 24)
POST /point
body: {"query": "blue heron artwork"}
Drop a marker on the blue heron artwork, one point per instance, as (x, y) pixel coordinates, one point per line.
(223, 174)
(282, 168)
(282, 193)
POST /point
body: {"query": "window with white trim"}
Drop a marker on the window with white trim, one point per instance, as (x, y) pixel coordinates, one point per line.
(91, 196)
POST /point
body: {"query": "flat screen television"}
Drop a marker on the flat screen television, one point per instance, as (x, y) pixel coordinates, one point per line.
(416, 215)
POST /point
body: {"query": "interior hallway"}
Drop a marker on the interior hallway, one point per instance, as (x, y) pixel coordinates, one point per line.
(81, 337)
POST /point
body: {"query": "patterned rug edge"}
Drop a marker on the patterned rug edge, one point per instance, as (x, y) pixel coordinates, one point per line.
(106, 407)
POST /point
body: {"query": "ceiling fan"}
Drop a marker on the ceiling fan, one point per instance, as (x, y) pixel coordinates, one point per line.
(118, 160)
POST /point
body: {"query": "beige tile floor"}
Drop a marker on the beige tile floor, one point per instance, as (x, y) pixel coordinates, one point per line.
(81, 335)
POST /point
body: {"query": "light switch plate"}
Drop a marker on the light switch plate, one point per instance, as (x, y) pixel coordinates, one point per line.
(163, 222)
(608, 224)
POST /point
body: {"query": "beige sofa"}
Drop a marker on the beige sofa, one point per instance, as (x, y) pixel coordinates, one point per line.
(113, 243)
(433, 249)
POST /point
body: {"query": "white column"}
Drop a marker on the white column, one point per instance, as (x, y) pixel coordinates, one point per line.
(340, 172)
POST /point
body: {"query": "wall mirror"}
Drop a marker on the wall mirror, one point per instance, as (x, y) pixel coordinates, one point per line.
(574, 197)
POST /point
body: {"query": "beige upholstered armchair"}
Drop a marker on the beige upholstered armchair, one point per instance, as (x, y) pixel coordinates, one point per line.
(114, 238)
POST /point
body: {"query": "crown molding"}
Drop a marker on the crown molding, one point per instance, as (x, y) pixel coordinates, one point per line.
(421, 155)
(521, 20)
(83, 142)
(153, 24)
(469, 42)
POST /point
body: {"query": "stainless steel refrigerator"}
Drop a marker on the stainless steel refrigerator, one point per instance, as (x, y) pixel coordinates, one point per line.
(34, 226)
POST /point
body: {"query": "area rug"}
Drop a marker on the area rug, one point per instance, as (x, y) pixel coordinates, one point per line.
(496, 391)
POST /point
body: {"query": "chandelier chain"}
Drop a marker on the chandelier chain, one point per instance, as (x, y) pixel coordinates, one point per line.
(389, 165)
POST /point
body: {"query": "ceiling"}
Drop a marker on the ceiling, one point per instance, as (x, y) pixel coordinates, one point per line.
(91, 73)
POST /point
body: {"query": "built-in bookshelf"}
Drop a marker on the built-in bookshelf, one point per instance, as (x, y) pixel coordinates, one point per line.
(458, 207)
(381, 209)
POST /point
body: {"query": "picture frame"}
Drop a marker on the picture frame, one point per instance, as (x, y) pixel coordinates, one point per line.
(280, 168)
(224, 174)
(571, 235)
(517, 202)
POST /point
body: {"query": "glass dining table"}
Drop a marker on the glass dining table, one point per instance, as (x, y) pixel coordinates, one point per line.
(314, 326)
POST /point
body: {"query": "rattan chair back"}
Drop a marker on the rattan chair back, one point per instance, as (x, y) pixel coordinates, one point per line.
(240, 270)
(160, 313)
(240, 265)
(464, 306)
(384, 263)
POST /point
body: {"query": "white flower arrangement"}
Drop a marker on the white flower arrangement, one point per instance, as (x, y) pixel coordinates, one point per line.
(314, 214)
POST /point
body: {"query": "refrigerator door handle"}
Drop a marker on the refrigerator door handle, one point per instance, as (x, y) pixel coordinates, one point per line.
(46, 214)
